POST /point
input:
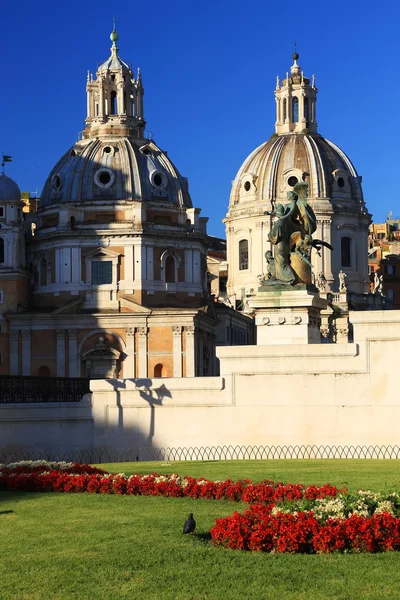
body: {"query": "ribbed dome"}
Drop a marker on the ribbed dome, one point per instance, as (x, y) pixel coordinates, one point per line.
(275, 167)
(9, 190)
(115, 168)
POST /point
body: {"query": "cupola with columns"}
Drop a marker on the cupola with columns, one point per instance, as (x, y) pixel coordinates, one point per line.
(295, 102)
(114, 98)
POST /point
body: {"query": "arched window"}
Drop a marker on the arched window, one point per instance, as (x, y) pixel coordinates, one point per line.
(345, 246)
(1, 250)
(170, 269)
(243, 255)
(306, 109)
(113, 103)
(43, 271)
(295, 110)
(284, 109)
(160, 370)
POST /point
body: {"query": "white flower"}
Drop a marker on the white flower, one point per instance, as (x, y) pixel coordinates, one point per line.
(385, 507)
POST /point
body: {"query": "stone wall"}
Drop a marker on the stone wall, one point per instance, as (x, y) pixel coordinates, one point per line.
(327, 394)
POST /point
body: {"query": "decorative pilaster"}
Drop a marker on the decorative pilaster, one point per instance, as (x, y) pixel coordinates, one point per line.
(177, 350)
(190, 354)
(26, 352)
(14, 353)
(129, 362)
(142, 351)
(73, 353)
(60, 350)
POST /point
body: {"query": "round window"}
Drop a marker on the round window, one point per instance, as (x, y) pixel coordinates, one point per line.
(247, 186)
(292, 181)
(340, 182)
(104, 177)
(107, 150)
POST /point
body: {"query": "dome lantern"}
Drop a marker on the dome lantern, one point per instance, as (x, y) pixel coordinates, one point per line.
(295, 102)
(114, 98)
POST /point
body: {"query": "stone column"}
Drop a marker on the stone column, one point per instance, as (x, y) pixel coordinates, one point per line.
(14, 353)
(190, 354)
(60, 352)
(101, 99)
(129, 362)
(177, 350)
(142, 351)
(26, 352)
(73, 353)
(76, 265)
(120, 99)
(128, 264)
(326, 253)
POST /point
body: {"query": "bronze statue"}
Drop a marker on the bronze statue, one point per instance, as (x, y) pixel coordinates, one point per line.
(291, 235)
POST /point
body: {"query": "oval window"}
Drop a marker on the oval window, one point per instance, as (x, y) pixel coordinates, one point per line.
(292, 181)
(56, 182)
(247, 186)
(340, 182)
(158, 180)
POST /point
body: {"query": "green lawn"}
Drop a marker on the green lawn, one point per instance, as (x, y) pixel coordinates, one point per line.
(81, 546)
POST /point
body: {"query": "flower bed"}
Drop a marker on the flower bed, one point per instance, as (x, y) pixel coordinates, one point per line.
(281, 518)
(70, 477)
(258, 529)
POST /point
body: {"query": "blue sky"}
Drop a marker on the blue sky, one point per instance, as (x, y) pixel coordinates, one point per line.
(209, 71)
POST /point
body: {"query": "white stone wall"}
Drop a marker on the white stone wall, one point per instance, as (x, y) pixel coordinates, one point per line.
(327, 394)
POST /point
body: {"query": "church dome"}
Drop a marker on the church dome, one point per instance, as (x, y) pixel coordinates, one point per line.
(115, 160)
(9, 190)
(274, 168)
(115, 168)
(297, 152)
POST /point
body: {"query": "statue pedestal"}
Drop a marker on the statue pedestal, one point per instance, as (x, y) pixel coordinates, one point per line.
(288, 315)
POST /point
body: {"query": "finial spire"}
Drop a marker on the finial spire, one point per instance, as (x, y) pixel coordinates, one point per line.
(295, 56)
(114, 35)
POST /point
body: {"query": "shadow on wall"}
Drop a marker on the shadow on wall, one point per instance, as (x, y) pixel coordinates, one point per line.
(64, 430)
(154, 396)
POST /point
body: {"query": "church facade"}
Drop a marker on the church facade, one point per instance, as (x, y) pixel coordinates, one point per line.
(108, 278)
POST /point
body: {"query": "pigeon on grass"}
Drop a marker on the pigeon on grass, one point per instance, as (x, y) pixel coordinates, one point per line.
(190, 524)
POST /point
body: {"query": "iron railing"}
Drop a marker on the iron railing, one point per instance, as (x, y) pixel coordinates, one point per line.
(170, 454)
(18, 390)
